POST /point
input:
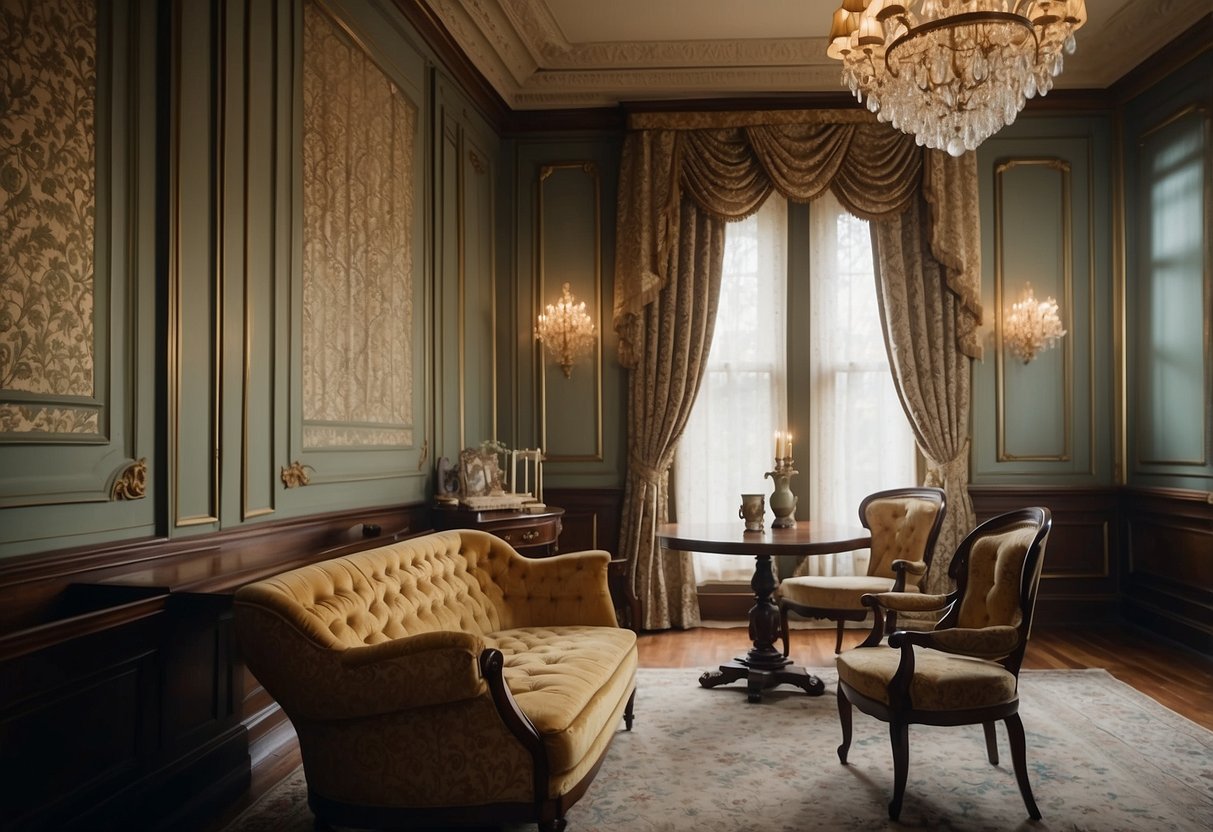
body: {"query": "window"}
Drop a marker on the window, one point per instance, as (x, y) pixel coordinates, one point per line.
(726, 447)
(859, 439)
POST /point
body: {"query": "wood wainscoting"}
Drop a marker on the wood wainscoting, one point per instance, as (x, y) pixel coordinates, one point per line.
(124, 702)
(1167, 564)
(1079, 580)
(591, 517)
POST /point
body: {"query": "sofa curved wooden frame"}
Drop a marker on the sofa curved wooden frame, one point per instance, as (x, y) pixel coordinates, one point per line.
(572, 586)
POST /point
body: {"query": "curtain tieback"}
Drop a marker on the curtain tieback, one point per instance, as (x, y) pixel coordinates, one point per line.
(649, 474)
(953, 471)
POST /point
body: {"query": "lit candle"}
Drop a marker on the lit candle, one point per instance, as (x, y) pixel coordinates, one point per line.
(778, 444)
(788, 447)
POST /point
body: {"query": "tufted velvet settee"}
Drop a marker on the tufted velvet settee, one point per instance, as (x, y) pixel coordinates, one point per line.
(445, 678)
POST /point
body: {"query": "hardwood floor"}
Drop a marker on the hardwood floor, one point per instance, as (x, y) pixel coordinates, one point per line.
(1180, 679)
(1173, 675)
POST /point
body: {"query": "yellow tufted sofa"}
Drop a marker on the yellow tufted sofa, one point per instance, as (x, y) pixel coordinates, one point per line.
(445, 678)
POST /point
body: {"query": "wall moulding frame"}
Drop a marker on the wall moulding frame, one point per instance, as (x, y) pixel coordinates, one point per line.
(543, 292)
(1201, 112)
(1062, 168)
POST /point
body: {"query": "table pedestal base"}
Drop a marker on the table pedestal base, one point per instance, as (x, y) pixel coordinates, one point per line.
(759, 679)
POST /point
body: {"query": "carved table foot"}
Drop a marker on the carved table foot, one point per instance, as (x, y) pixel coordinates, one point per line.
(758, 679)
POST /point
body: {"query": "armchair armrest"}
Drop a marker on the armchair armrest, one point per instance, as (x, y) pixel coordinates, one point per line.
(903, 569)
(895, 602)
(565, 589)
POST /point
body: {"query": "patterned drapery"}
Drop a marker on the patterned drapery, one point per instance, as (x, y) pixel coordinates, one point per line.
(682, 177)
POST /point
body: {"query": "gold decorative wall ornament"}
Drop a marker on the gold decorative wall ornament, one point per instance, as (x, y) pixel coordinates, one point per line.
(296, 474)
(1031, 326)
(952, 73)
(130, 483)
(566, 330)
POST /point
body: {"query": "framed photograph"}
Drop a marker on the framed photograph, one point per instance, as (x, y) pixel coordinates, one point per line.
(479, 474)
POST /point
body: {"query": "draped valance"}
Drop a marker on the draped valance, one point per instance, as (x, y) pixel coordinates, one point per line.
(729, 163)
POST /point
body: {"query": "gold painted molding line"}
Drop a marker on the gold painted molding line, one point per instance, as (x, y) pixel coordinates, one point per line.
(130, 482)
(296, 474)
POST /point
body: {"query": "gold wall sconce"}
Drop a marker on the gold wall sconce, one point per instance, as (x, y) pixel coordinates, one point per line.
(1031, 326)
(566, 330)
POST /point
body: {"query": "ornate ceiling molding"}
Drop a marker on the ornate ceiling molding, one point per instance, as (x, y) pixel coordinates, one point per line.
(519, 47)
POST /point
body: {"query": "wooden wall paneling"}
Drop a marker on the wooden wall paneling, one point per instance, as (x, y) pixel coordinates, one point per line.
(79, 715)
(1168, 564)
(591, 517)
(58, 469)
(1080, 576)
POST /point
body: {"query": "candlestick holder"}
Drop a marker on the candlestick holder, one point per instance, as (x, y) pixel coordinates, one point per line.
(783, 501)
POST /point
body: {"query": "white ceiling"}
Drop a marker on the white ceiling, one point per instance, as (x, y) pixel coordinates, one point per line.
(541, 54)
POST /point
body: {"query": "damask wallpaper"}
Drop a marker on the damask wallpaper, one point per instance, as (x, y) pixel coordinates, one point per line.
(358, 168)
(48, 94)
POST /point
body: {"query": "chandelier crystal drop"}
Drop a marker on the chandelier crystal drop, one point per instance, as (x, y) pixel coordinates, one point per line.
(566, 330)
(952, 72)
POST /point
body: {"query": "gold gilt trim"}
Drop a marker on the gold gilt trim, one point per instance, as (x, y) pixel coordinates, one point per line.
(296, 474)
(590, 169)
(1067, 292)
(130, 481)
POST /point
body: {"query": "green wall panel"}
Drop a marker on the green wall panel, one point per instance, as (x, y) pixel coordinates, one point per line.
(1168, 150)
(56, 488)
(563, 210)
(1046, 220)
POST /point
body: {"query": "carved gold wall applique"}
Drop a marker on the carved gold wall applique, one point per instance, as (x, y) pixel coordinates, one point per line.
(296, 474)
(130, 483)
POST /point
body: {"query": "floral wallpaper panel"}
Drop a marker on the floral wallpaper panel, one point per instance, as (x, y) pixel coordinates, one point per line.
(358, 168)
(48, 94)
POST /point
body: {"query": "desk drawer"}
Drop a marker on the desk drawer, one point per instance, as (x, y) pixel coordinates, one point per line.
(523, 536)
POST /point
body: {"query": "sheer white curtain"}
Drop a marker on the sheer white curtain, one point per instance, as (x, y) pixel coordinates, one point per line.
(860, 439)
(727, 445)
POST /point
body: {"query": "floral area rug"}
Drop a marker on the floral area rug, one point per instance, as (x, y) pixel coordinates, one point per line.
(1101, 756)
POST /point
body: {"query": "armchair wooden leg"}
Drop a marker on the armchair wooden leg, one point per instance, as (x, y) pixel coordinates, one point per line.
(555, 825)
(899, 734)
(628, 713)
(1019, 756)
(783, 629)
(844, 717)
(838, 640)
(991, 742)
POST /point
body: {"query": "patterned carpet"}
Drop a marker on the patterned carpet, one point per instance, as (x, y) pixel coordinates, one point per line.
(1101, 757)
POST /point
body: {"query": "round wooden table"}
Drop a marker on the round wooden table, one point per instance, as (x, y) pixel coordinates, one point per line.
(763, 666)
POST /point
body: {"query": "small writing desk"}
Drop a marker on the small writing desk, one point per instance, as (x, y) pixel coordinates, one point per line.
(763, 666)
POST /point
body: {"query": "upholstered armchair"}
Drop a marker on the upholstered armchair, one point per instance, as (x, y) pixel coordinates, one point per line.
(965, 671)
(904, 523)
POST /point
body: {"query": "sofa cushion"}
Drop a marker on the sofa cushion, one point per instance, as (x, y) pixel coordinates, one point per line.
(568, 680)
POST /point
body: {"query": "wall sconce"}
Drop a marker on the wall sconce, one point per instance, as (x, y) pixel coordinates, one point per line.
(566, 331)
(1031, 326)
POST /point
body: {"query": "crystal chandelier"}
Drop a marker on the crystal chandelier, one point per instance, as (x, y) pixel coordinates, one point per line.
(566, 331)
(952, 72)
(1031, 326)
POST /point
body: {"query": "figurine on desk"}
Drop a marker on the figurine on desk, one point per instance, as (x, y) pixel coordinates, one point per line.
(473, 495)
